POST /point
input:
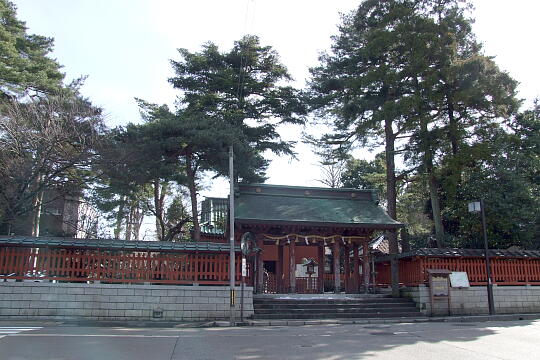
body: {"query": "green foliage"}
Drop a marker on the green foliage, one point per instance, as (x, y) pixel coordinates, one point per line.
(25, 63)
(363, 174)
(412, 69)
(239, 97)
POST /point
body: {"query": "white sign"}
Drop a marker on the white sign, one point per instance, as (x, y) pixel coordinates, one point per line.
(244, 267)
(459, 279)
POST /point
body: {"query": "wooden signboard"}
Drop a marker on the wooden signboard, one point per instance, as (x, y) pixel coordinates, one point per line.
(439, 289)
(439, 286)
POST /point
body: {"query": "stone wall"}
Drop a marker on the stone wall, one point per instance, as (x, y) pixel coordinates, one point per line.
(473, 300)
(72, 301)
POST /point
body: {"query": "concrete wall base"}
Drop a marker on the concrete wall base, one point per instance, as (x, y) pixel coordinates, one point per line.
(473, 300)
(98, 302)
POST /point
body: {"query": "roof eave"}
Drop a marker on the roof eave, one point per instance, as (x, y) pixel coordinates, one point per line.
(372, 226)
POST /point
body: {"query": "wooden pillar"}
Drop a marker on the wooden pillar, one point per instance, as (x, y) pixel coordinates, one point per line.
(279, 269)
(356, 269)
(347, 269)
(337, 265)
(365, 267)
(260, 267)
(292, 268)
(320, 268)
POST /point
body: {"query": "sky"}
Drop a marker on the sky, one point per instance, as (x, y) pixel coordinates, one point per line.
(124, 47)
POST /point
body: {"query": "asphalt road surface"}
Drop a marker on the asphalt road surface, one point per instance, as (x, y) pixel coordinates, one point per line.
(418, 341)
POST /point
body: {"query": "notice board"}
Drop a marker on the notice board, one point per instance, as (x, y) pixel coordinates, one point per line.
(459, 279)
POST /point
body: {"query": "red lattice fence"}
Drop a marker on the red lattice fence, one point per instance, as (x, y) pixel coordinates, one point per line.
(116, 266)
(505, 271)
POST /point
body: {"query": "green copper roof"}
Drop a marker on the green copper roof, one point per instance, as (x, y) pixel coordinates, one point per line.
(263, 203)
(106, 244)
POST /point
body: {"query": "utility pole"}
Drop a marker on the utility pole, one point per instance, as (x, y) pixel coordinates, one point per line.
(232, 270)
(477, 206)
(488, 264)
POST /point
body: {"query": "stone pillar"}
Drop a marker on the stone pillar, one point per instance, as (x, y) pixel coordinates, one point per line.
(347, 269)
(365, 267)
(260, 268)
(279, 270)
(292, 267)
(337, 265)
(356, 269)
(320, 267)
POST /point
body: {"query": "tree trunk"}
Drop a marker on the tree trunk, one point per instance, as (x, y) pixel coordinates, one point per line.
(190, 172)
(159, 200)
(129, 223)
(119, 219)
(391, 195)
(38, 201)
(452, 125)
(405, 241)
(432, 184)
(137, 223)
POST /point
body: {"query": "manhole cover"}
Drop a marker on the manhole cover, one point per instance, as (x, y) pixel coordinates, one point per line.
(387, 333)
(306, 346)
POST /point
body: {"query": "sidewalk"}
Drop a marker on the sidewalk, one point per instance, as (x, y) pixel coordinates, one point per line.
(260, 323)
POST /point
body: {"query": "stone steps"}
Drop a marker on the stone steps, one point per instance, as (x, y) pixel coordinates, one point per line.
(286, 307)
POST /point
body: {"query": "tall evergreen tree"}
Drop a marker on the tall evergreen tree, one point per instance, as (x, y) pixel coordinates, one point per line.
(25, 65)
(233, 98)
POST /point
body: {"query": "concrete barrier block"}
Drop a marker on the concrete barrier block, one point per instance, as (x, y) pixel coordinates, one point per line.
(159, 293)
(109, 306)
(208, 293)
(29, 312)
(76, 291)
(134, 298)
(175, 292)
(133, 313)
(200, 300)
(47, 312)
(48, 297)
(115, 313)
(5, 288)
(9, 312)
(56, 304)
(140, 305)
(38, 304)
(21, 290)
(219, 300)
(109, 291)
(191, 306)
(118, 299)
(150, 299)
(92, 291)
(126, 292)
(207, 307)
(98, 313)
(142, 292)
(125, 306)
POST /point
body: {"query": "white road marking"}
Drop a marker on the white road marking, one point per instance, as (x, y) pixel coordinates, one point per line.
(12, 330)
(99, 335)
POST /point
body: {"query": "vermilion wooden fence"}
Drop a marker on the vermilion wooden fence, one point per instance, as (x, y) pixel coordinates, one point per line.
(116, 266)
(505, 271)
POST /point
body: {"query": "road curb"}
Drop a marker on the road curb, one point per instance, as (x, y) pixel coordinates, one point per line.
(274, 322)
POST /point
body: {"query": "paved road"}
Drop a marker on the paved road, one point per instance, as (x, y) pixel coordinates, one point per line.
(463, 341)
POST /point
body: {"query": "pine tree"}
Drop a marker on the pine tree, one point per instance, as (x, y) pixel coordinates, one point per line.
(26, 65)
